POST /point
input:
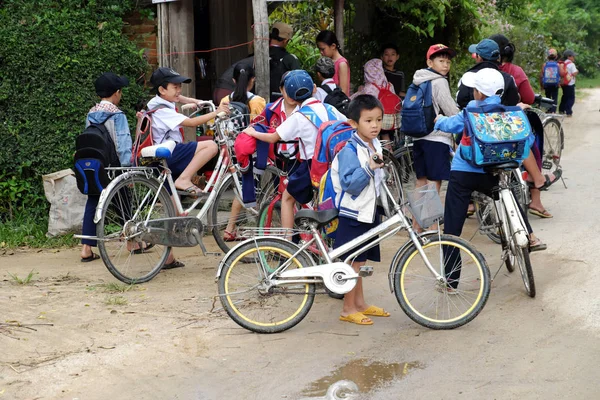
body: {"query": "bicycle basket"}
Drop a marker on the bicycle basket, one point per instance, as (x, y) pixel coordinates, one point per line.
(235, 124)
(425, 205)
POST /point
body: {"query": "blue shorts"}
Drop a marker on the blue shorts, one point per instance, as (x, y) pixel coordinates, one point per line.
(181, 157)
(432, 160)
(349, 229)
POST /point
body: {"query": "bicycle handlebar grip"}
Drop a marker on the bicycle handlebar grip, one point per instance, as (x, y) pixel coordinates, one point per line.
(377, 159)
(189, 106)
(221, 115)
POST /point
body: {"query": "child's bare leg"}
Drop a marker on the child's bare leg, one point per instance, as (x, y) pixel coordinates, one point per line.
(205, 151)
(287, 212)
(533, 170)
(236, 207)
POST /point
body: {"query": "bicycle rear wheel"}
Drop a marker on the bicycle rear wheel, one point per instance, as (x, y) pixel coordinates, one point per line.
(431, 303)
(553, 145)
(486, 217)
(247, 295)
(127, 207)
(407, 170)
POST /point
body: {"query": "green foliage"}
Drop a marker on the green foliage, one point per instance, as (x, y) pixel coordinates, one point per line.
(25, 231)
(23, 281)
(52, 51)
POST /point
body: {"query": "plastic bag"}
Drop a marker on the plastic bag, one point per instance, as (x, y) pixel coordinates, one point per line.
(67, 204)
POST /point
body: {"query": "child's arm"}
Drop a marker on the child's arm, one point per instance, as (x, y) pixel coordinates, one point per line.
(354, 178)
(187, 100)
(202, 119)
(453, 124)
(263, 137)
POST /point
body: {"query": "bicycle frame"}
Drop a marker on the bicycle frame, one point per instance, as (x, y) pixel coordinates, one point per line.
(508, 213)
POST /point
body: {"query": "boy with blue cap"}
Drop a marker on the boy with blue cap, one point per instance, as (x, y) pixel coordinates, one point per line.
(303, 125)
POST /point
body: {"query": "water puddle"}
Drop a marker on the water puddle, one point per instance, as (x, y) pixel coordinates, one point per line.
(358, 376)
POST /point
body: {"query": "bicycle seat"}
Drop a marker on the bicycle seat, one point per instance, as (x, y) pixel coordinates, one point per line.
(321, 218)
(163, 150)
(502, 167)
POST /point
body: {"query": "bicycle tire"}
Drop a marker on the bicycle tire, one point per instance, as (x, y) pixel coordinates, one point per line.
(240, 310)
(404, 156)
(553, 145)
(509, 261)
(486, 216)
(122, 203)
(523, 261)
(394, 179)
(480, 281)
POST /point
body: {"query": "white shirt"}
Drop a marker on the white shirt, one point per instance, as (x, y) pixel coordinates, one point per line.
(321, 94)
(571, 69)
(297, 126)
(166, 121)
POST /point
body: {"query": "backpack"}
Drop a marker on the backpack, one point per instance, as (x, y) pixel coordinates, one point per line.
(276, 70)
(337, 98)
(143, 135)
(331, 138)
(495, 134)
(550, 74)
(95, 150)
(239, 117)
(391, 107)
(417, 116)
(564, 73)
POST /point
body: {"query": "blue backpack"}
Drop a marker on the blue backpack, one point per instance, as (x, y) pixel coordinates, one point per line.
(417, 115)
(495, 134)
(550, 74)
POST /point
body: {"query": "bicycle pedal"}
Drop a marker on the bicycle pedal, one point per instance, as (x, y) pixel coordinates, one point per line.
(213, 253)
(365, 271)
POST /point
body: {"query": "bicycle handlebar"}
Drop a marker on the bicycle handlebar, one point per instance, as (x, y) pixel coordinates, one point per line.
(543, 101)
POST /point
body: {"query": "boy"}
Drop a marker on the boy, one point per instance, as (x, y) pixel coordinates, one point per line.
(551, 89)
(167, 123)
(432, 152)
(324, 70)
(567, 99)
(300, 126)
(357, 181)
(109, 88)
(390, 56)
(488, 85)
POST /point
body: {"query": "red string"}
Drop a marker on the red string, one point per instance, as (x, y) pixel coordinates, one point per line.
(154, 53)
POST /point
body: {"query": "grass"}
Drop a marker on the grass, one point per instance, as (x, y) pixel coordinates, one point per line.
(115, 301)
(22, 231)
(25, 281)
(588, 83)
(112, 287)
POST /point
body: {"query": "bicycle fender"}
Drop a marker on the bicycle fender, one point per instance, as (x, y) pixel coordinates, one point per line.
(515, 219)
(108, 189)
(400, 253)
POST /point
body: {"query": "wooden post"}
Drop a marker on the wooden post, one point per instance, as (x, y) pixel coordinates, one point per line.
(261, 48)
(338, 21)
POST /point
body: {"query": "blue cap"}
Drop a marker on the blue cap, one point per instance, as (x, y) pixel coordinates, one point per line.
(298, 85)
(486, 49)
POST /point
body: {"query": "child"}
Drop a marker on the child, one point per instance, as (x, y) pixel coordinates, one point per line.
(551, 89)
(329, 46)
(432, 152)
(357, 182)
(324, 70)
(109, 88)
(488, 84)
(390, 56)
(244, 77)
(299, 86)
(167, 123)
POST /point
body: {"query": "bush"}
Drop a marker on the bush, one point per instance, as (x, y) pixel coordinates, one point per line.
(52, 51)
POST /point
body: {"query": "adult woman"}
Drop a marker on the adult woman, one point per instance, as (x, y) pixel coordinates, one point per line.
(329, 46)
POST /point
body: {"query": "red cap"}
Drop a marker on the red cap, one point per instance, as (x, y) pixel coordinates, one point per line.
(440, 48)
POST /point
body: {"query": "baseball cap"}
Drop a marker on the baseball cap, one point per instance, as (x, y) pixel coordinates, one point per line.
(167, 75)
(440, 48)
(298, 85)
(486, 49)
(325, 66)
(552, 52)
(281, 31)
(488, 81)
(108, 83)
(569, 53)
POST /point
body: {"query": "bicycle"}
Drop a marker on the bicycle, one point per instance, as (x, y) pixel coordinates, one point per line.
(278, 278)
(141, 209)
(554, 140)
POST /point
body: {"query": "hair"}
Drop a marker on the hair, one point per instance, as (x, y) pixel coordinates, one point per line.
(242, 73)
(553, 57)
(329, 38)
(441, 54)
(391, 46)
(507, 49)
(361, 103)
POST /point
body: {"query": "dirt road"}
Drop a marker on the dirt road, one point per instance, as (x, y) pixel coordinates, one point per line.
(78, 340)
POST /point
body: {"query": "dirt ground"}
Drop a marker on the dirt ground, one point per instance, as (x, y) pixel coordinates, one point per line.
(159, 340)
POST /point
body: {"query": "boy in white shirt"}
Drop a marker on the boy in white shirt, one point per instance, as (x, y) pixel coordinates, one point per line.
(324, 70)
(302, 125)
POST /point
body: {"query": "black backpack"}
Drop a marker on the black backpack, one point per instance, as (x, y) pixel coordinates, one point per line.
(94, 151)
(276, 70)
(337, 98)
(239, 117)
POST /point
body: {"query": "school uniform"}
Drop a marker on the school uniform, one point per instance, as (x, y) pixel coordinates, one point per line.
(321, 93)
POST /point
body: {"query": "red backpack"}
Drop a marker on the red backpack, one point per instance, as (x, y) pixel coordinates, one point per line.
(143, 134)
(392, 104)
(565, 76)
(331, 138)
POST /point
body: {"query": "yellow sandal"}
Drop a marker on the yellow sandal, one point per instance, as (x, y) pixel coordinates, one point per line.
(357, 318)
(376, 312)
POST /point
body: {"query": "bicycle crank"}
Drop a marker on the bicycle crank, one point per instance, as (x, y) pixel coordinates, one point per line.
(338, 277)
(174, 232)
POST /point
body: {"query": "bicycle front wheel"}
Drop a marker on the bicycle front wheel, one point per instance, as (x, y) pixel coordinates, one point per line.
(434, 304)
(553, 145)
(120, 229)
(247, 294)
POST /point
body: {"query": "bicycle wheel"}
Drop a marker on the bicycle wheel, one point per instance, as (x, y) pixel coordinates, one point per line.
(486, 217)
(407, 169)
(520, 256)
(393, 170)
(433, 304)
(246, 292)
(125, 210)
(266, 221)
(553, 145)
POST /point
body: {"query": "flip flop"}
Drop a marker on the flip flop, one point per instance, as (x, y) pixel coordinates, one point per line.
(540, 213)
(93, 257)
(538, 245)
(356, 318)
(376, 312)
(174, 264)
(192, 191)
(557, 174)
(145, 249)
(231, 237)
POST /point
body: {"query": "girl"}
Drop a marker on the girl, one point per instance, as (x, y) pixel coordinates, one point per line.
(357, 182)
(329, 46)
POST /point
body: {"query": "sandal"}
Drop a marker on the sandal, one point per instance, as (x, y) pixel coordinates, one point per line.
(192, 191)
(93, 257)
(540, 213)
(376, 312)
(231, 237)
(557, 174)
(174, 264)
(537, 245)
(357, 318)
(144, 249)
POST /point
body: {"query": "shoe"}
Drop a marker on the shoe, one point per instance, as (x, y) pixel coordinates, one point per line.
(446, 289)
(93, 257)
(376, 312)
(540, 213)
(192, 191)
(357, 318)
(557, 174)
(174, 264)
(231, 237)
(537, 245)
(143, 250)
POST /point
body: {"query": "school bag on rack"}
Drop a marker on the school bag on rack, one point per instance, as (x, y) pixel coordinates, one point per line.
(495, 134)
(417, 116)
(143, 135)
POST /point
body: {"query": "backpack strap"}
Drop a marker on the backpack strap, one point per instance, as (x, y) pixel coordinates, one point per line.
(326, 88)
(310, 114)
